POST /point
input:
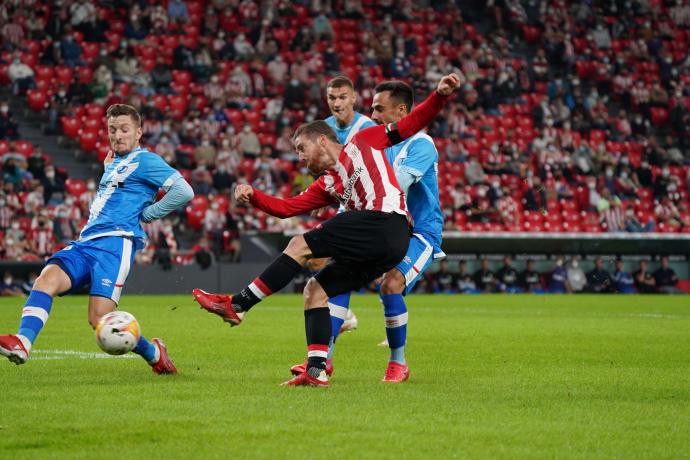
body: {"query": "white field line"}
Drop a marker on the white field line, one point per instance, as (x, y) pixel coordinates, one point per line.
(66, 354)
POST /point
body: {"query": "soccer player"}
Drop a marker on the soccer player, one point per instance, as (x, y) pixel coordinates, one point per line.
(414, 163)
(366, 241)
(346, 122)
(105, 250)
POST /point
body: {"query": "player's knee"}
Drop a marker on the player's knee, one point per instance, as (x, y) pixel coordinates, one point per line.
(51, 281)
(314, 295)
(298, 249)
(393, 283)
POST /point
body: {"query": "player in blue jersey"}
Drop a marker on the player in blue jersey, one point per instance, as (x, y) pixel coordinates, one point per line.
(104, 252)
(346, 122)
(415, 163)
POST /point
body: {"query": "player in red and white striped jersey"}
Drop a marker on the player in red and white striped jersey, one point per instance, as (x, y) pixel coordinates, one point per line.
(367, 240)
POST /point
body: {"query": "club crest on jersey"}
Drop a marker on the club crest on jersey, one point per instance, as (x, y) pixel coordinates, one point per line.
(352, 151)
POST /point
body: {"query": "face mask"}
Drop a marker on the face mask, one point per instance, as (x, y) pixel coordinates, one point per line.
(574, 264)
(665, 172)
(91, 186)
(2, 203)
(624, 175)
(15, 225)
(8, 280)
(609, 173)
(559, 263)
(247, 129)
(50, 175)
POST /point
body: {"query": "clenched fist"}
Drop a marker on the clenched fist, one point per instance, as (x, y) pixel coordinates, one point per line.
(243, 193)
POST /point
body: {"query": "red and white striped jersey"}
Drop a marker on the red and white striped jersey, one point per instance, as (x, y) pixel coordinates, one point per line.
(362, 179)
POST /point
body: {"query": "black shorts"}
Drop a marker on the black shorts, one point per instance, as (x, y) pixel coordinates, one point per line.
(363, 245)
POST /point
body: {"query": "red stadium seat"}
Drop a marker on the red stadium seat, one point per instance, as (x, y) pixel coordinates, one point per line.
(63, 75)
(87, 140)
(659, 116)
(75, 186)
(25, 148)
(70, 127)
(36, 99)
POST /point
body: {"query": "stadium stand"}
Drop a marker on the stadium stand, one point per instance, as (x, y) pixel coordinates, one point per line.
(575, 116)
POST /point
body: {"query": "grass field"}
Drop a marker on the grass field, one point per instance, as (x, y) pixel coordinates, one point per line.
(492, 377)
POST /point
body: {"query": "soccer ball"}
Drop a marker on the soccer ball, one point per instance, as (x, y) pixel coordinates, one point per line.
(117, 333)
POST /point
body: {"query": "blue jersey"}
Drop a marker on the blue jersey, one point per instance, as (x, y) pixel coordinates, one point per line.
(129, 184)
(418, 157)
(624, 281)
(345, 134)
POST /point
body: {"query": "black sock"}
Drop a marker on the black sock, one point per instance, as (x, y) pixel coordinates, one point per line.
(273, 279)
(317, 325)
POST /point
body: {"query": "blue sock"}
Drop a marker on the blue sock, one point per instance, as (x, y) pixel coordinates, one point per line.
(395, 311)
(145, 349)
(35, 314)
(338, 306)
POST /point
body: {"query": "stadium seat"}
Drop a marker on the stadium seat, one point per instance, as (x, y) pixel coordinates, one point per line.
(37, 99)
(87, 140)
(75, 186)
(25, 148)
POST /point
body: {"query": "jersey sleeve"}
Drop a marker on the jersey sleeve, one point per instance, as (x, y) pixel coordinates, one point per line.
(382, 136)
(421, 155)
(157, 172)
(314, 197)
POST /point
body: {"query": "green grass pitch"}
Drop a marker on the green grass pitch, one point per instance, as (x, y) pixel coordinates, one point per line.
(491, 377)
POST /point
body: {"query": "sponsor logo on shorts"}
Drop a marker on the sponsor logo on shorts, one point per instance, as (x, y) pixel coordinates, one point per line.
(408, 259)
(106, 282)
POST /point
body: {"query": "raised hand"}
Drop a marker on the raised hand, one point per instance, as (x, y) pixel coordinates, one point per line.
(449, 83)
(243, 193)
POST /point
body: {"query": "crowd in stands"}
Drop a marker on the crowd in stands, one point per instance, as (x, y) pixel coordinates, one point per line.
(575, 115)
(561, 279)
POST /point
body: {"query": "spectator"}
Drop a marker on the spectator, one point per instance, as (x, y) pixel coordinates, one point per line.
(633, 224)
(464, 282)
(622, 279)
(644, 281)
(322, 28)
(444, 279)
(244, 50)
(599, 279)
(249, 142)
(70, 51)
(177, 11)
(8, 126)
(484, 278)
(161, 76)
(9, 287)
(666, 279)
(576, 277)
(558, 284)
(80, 13)
(507, 277)
(530, 279)
(21, 76)
(53, 186)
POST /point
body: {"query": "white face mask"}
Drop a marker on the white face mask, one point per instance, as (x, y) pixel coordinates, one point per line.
(8, 280)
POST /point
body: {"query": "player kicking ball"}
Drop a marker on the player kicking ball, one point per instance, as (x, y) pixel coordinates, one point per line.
(366, 241)
(104, 252)
(415, 162)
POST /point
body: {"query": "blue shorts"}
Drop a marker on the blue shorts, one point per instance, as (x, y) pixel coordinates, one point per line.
(102, 262)
(420, 254)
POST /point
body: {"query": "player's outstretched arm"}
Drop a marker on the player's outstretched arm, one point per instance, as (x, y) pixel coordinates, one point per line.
(179, 194)
(382, 136)
(314, 197)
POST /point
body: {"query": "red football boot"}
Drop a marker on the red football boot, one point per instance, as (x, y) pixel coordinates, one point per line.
(396, 372)
(164, 365)
(13, 349)
(305, 379)
(298, 369)
(218, 304)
